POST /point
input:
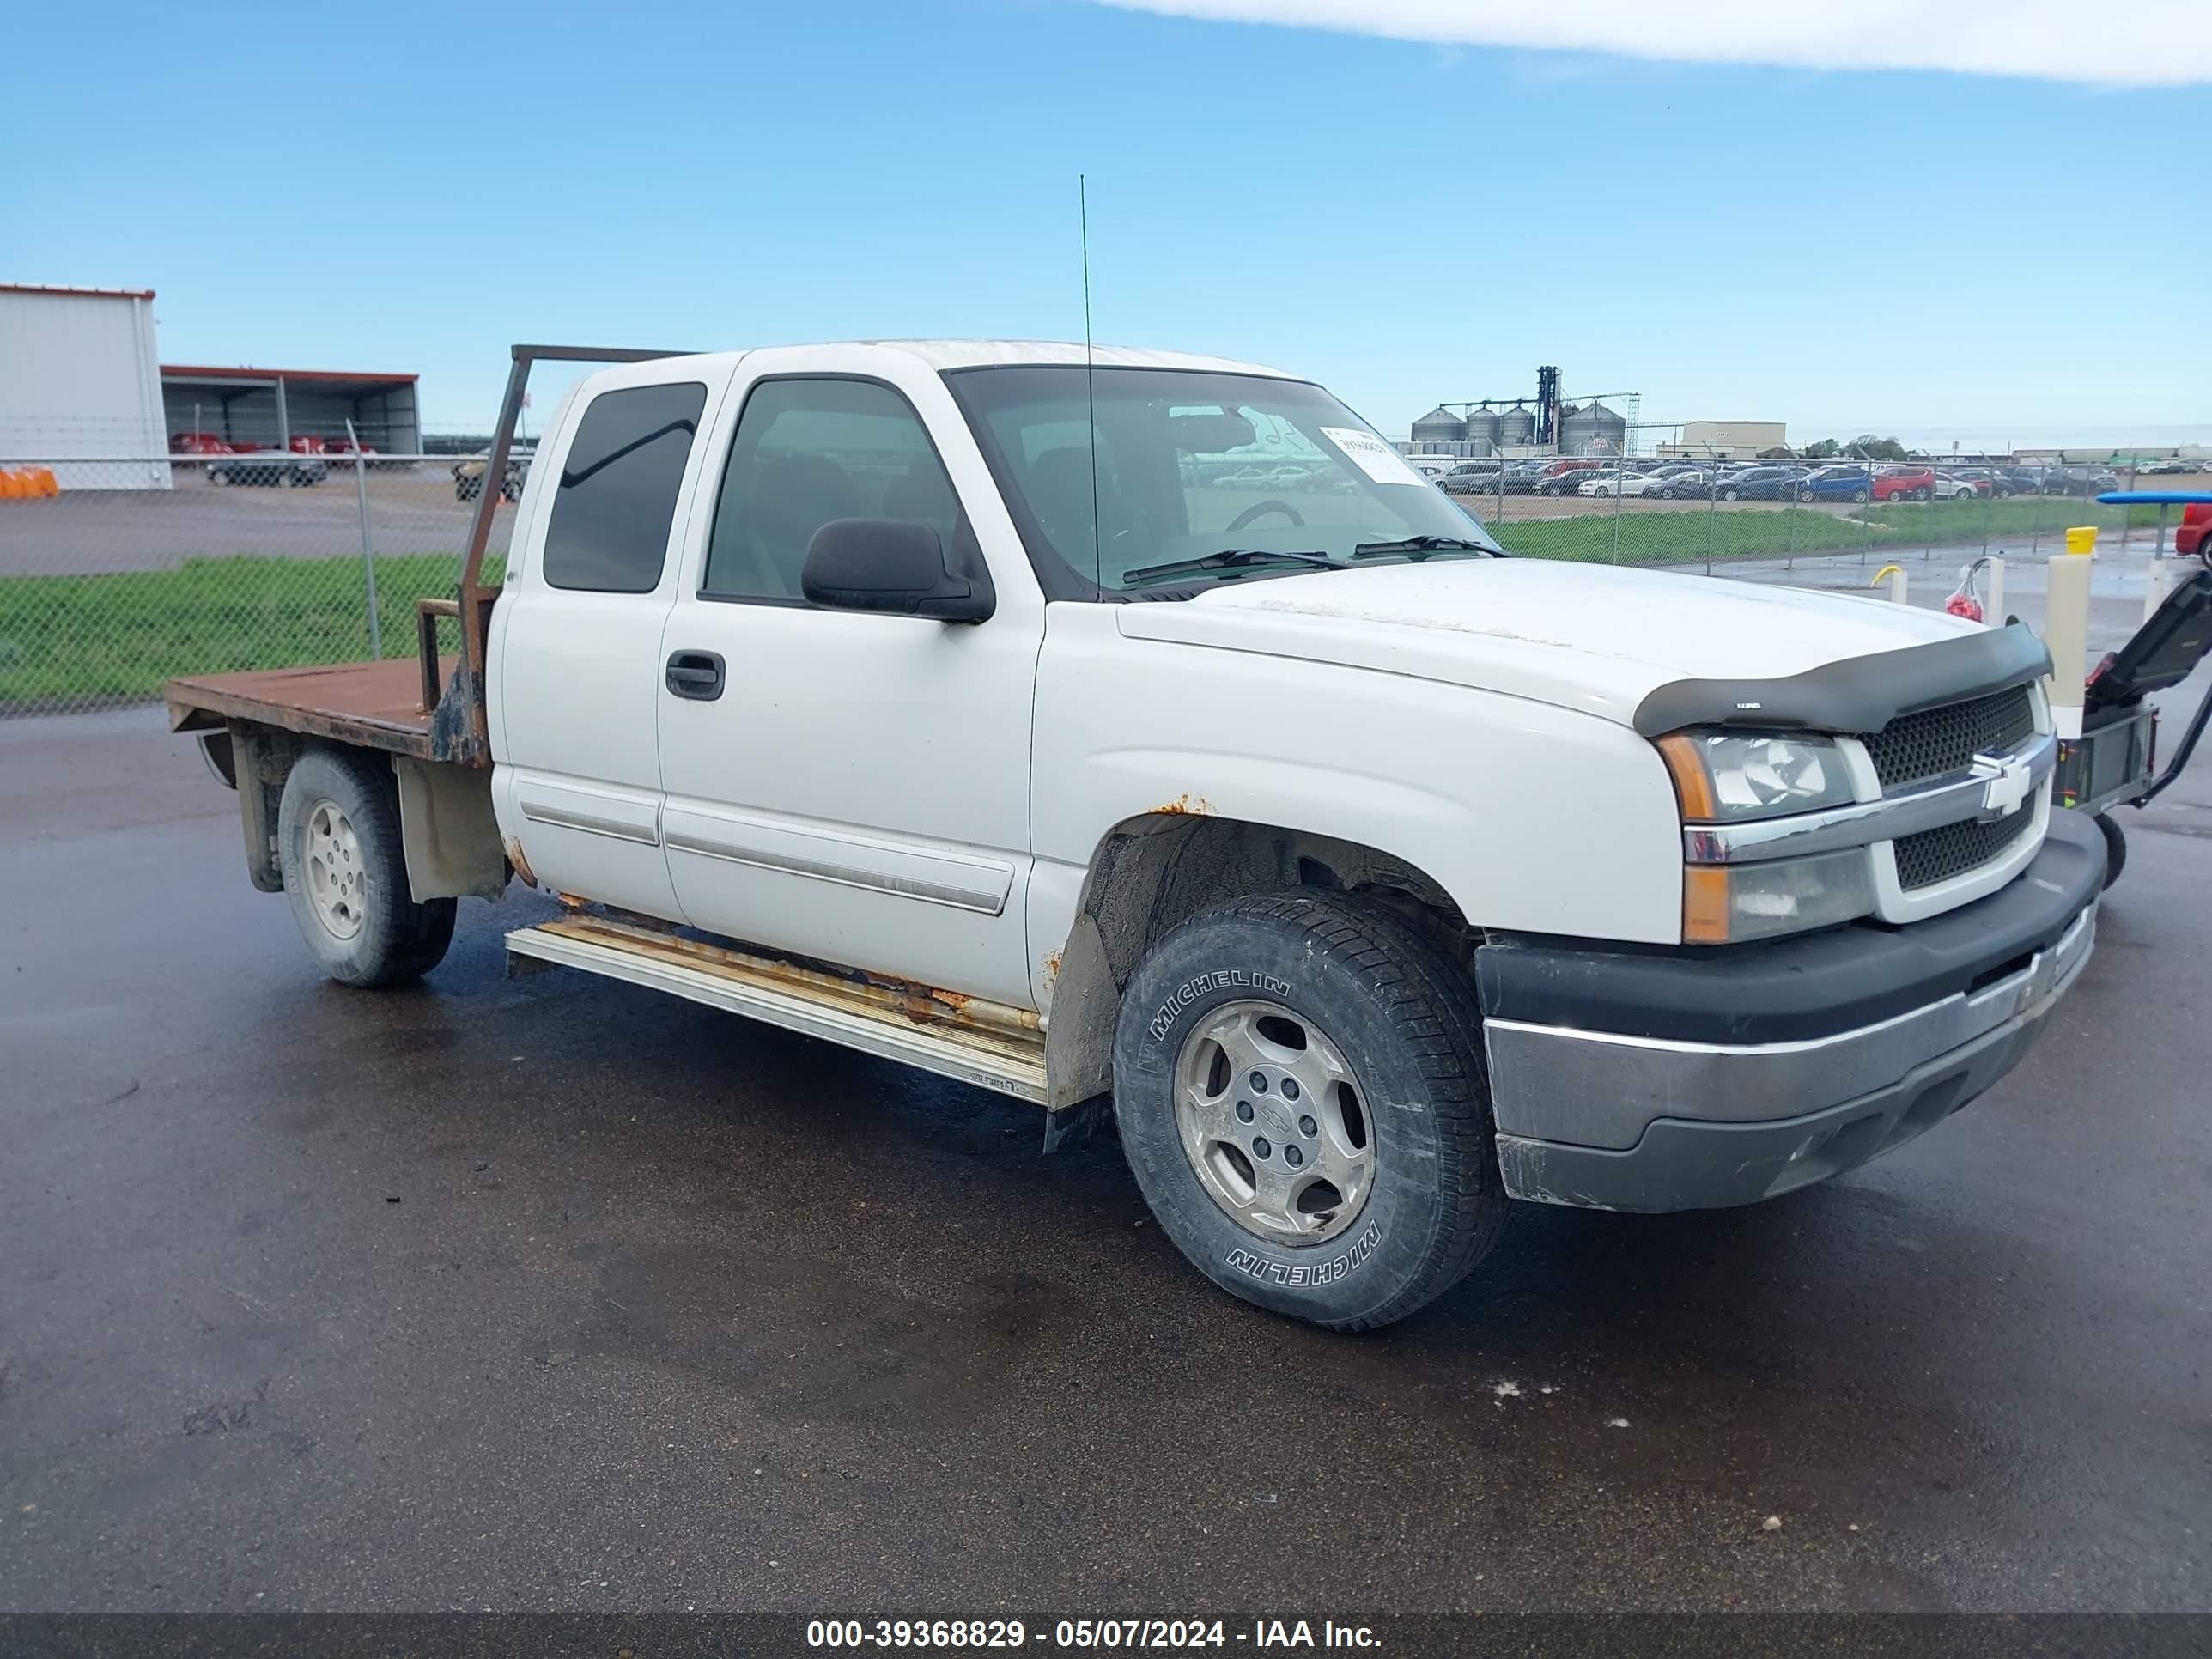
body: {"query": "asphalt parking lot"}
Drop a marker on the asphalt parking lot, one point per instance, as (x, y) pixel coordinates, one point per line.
(550, 1293)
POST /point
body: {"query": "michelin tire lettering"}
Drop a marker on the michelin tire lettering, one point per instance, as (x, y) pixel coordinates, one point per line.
(1220, 979)
(1323, 1273)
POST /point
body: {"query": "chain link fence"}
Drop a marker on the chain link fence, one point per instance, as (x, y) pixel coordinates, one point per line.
(123, 571)
(119, 571)
(1652, 499)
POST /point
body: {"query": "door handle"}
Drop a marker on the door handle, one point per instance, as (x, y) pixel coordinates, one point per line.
(696, 675)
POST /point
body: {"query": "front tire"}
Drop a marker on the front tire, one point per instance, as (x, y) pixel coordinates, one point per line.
(345, 873)
(1299, 1084)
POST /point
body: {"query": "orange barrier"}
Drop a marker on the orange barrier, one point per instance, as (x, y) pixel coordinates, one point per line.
(28, 483)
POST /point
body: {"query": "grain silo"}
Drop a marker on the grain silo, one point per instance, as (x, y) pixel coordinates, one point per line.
(1591, 429)
(1439, 432)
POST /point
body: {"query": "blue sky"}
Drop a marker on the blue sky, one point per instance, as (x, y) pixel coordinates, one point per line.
(396, 187)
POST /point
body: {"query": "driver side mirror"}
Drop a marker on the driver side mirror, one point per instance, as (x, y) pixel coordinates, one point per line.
(895, 565)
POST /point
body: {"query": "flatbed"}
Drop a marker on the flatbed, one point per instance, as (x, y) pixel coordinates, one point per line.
(374, 705)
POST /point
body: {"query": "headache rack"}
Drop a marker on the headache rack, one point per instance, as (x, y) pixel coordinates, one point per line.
(432, 709)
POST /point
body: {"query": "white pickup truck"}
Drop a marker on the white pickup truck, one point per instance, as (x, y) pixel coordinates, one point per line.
(1138, 735)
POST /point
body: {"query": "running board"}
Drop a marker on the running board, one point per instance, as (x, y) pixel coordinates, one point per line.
(964, 1038)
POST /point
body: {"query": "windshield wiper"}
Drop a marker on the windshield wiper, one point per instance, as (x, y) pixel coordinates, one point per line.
(1229, 558)
(1418, 547)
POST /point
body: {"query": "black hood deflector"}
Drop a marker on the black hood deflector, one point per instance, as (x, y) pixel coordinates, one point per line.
(1859, 694)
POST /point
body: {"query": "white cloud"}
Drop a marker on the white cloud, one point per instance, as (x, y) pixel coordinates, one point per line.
(2116, 43)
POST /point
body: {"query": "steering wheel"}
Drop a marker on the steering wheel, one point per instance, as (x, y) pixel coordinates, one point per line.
(1252, 512)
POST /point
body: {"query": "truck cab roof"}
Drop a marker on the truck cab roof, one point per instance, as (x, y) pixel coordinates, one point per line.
(994, 354)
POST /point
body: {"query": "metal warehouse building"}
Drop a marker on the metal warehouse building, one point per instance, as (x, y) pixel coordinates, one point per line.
(267, 408)
(78, 382)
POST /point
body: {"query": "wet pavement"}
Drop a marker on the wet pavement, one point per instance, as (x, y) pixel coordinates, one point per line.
(551, 1293)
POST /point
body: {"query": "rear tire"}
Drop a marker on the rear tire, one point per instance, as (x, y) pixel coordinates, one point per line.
(2115, 848)
(1370, 1189)
(1858, 495)
(345, 873)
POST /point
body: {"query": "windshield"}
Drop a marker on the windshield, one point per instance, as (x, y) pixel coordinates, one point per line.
(1189, 465)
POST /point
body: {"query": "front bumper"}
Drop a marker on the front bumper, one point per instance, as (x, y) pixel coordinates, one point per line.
(1682, 1080)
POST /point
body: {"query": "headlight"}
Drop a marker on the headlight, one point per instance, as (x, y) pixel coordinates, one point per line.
(1727, 777)
(1722, 777)
(1728, 903)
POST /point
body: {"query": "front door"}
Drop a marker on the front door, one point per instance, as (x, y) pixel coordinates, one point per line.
(848, 786)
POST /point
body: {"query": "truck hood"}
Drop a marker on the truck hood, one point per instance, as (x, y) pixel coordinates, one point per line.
(1592, 637)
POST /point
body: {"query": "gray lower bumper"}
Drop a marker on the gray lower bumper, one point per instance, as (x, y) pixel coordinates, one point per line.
(1709, 1121)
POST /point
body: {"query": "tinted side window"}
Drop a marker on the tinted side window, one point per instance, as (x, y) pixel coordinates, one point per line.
(609, 530)
(807, 451)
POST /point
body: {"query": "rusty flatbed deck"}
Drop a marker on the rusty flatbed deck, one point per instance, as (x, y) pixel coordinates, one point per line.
(378, 705)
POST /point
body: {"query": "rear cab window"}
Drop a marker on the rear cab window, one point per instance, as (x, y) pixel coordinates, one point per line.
(616, 498)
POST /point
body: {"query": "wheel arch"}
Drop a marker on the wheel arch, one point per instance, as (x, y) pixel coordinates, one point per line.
(1153, 870)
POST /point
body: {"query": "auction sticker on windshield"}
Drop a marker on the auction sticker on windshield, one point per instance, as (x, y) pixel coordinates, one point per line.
(1372, 456)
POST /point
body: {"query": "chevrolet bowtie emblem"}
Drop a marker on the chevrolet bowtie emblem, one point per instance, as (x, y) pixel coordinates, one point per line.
(2006, 785)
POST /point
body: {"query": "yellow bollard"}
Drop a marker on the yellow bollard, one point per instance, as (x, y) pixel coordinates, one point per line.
(2081, 538)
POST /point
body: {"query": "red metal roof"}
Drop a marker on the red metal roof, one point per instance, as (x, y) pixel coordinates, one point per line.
(84, 293)
(207, 372)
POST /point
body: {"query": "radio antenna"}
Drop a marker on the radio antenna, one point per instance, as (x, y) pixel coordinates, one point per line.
(1090, 385)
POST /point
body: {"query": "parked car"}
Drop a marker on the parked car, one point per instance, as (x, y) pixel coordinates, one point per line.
(1903, 482)
(1834, 484)
(1761, 483)
(1622, 483)
(1246, 478)
(2079, 480)
(199, 443)
(1953, 487)
(1340, 1001)
(1564, 477)
(268, 466)
(1477, 480)
(2193, 535)
(1693, 484)
(468, 475)
(1998, 478)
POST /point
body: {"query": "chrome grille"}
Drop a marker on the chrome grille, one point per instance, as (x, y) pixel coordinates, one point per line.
(1937, 855)
(1913, 748)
